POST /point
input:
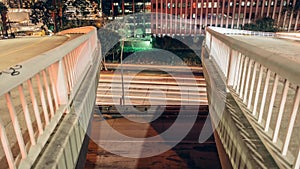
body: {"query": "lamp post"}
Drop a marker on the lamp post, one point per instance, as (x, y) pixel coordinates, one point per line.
(122, 78)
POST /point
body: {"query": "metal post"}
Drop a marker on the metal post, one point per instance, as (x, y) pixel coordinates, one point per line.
(122, 79)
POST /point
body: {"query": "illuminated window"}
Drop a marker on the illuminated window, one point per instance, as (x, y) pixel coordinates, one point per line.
(204, 5)
(248, 3)
(243, 3)
(199, 4)
(215, 4)
(209, 4)
(241, 16)
(194, 16)
(278, 3)
(194, 5)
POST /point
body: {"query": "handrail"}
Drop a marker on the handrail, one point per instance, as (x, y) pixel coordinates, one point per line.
(46, 59)
(272, 60)
(266, 85)
(241, 32)
(37, 98)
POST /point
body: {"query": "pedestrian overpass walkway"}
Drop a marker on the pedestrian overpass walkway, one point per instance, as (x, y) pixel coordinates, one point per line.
(253, 95)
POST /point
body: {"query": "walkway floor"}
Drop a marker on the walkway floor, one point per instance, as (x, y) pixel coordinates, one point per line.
(187, 154)
(16, 51)
(286, 48)
(145, 86)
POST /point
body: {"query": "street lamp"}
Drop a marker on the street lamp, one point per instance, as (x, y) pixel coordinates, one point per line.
(122, 79)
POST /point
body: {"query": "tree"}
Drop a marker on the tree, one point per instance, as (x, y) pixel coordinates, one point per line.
(263, 24)
(42, 13)
(292, 8)
(3, 11)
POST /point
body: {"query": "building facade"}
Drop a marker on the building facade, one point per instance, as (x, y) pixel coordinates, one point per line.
(192, 16)
(123, 7)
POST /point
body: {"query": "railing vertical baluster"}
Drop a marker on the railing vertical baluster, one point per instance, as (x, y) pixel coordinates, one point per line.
(53, 87)
(35, 107)
(291, 122)
(262, 105)
(244, 76)
(247, 81)
(6, 146)
(274, 90)
(257, 90)
(15, 122)
(43, 101)
(68, 74)
(240, 73)
(210, 45)
(60, 81)
(70, 67)
(26, 115)
(297, 161)
(238, 64)
(48, 93)
(281, 109)
(73, 65)
(76, 62)
(229, 65)
(252, 85)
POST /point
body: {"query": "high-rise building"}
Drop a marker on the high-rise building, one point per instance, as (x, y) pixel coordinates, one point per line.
(123, 7)
(191, 16)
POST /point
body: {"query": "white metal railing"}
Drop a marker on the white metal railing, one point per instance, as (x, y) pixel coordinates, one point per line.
(241, 32)
(32, 103)
(266, 87)
(288, 35)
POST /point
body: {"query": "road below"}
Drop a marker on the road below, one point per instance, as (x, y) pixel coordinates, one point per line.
(175, 85)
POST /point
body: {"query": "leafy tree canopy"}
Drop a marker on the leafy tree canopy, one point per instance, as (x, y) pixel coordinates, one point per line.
(3, 12)
(264, 24)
